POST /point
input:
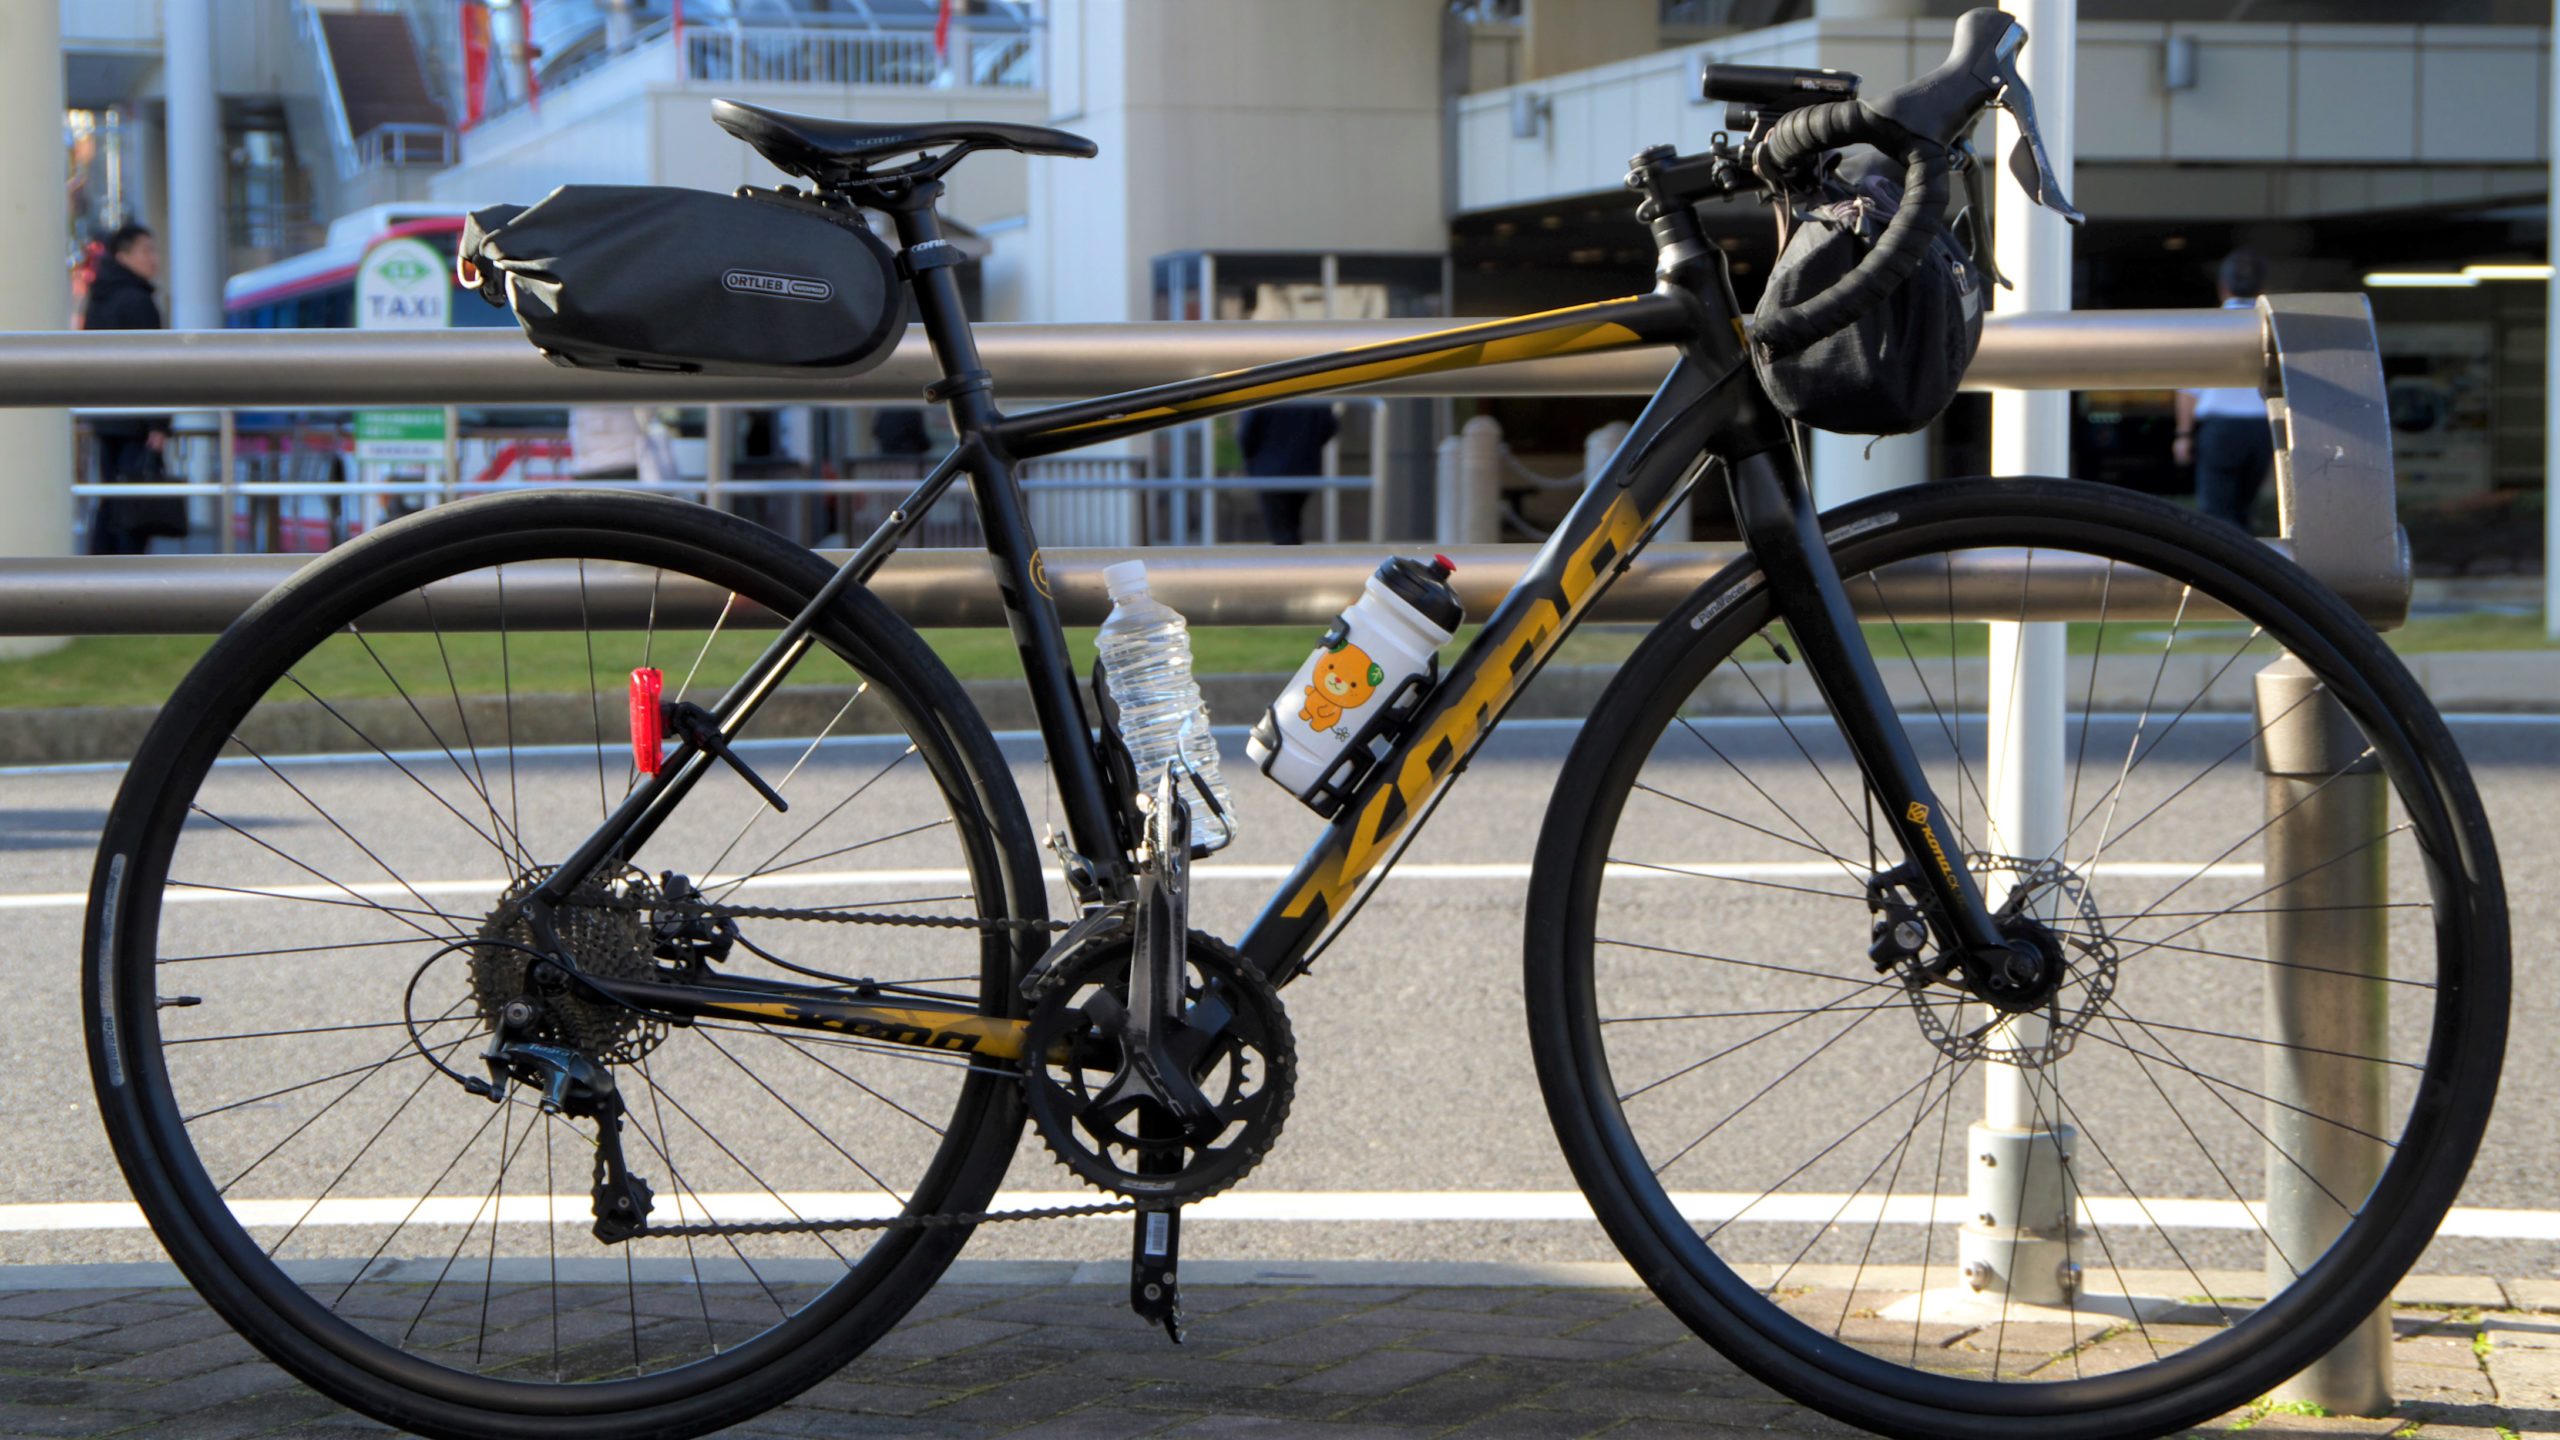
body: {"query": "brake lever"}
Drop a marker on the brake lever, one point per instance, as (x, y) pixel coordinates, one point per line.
(2029, 165)
(1977, 214)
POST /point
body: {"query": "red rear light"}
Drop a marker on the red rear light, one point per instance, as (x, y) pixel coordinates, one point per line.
(648, 722)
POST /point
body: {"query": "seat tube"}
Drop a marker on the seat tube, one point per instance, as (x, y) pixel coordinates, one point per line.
(1022, 580)
(1778, 521)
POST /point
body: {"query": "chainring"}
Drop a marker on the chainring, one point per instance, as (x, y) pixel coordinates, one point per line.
(1249, 1074)
(605, 927)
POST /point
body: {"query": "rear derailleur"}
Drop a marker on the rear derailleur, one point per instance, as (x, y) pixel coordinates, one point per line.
(1158, 1064)
(571, 1083)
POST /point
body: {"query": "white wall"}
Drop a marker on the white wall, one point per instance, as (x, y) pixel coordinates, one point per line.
(2360, 95)
(1231, 124)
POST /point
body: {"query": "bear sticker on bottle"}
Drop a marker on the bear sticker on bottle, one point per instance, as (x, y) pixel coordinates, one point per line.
(1345, 678)
(1360, 686)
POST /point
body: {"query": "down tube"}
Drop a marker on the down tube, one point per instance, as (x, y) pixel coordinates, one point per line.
(1570, 572)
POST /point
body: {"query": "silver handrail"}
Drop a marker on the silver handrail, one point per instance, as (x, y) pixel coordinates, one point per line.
(1211, 585)
(342, 369)
(2313, 356)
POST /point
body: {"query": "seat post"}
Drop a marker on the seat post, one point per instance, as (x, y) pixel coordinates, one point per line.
(932, 263)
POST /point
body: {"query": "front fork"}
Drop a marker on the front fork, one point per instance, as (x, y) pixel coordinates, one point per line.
(1774, 509)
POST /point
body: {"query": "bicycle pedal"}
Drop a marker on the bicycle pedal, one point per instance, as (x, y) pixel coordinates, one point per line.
(1155, 1293)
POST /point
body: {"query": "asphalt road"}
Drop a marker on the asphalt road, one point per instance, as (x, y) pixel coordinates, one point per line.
(1417, 1122)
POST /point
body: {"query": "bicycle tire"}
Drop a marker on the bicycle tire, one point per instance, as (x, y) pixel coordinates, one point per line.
(1844, 1360)
(419, 1390)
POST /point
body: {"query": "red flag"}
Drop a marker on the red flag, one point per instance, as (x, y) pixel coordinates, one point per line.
(942, 33)
(475, 63)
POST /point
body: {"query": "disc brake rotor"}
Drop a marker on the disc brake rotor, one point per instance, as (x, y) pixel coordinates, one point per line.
(2068, 919)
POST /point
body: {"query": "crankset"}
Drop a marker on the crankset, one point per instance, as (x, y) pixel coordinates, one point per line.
(1233, 1046)
(1158, 1064)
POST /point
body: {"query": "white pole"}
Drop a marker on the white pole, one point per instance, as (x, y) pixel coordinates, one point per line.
(2551, 372)
(35, 499)
(193, 240)
(1853, 467)
(2025, 1257)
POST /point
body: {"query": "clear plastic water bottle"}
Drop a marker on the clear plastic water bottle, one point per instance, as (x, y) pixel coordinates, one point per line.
(1146, 663)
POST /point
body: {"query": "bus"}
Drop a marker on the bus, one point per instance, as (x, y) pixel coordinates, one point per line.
(316, 290)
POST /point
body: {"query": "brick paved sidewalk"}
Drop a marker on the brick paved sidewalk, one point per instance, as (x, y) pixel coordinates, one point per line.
(1329, 1363)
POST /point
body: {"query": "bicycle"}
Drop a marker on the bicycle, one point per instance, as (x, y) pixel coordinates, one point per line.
(320, 934)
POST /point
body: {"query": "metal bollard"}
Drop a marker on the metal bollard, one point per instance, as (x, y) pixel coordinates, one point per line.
(2332, 799)
(1471, 484)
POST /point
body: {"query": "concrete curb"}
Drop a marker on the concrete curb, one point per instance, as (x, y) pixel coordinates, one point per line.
(75, 734)
(2423, 1292)
(2491, 681)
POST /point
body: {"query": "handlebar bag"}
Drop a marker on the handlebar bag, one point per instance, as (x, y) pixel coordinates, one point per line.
(640, 277)
(1896, 367)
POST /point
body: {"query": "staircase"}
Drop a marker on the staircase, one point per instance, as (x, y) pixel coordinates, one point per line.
(383, 117)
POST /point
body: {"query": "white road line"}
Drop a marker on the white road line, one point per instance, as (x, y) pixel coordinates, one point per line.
(2122, 1214)
(1262, 874)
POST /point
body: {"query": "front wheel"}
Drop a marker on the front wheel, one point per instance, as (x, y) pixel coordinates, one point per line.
(2254, 1082)
(300, 940)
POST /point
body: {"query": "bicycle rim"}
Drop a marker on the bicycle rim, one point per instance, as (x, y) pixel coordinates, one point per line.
(303, 969)
(1807, 1138)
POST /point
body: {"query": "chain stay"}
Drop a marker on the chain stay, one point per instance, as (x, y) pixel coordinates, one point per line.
(938, 1221)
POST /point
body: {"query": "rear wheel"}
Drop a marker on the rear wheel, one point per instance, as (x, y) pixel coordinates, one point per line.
(1773, 1115)
(294, 969)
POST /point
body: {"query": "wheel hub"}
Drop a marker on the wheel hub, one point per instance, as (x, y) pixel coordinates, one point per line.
(2024, 973)
(2058, 967)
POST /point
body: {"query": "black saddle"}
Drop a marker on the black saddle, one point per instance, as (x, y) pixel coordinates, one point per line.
(824, 150)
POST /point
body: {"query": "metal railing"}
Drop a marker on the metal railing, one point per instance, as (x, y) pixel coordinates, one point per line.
(754, 54)
(2313, 357)
(395, 144)
(809, 51)
(343, 369)
(292, 485)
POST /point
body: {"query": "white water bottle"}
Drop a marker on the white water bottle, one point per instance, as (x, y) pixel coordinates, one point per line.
(1146, 665)
(1361, 686)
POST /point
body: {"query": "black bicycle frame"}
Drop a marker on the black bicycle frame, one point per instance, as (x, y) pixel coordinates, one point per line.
(1710, 409)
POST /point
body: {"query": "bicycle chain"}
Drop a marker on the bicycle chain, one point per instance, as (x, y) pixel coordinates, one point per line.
(940, 1220)
(833, 917)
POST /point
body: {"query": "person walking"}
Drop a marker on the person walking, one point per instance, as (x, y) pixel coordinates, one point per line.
(129, 446)
(1285, 442)
(2224, 433)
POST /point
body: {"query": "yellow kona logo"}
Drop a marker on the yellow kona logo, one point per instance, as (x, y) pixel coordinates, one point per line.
(1918, 814)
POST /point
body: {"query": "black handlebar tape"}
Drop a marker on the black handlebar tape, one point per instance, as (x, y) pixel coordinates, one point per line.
(1799, 137)
(1791, 145)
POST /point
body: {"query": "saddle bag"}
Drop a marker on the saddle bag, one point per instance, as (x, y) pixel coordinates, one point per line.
(640, 277)
(1892, 371)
